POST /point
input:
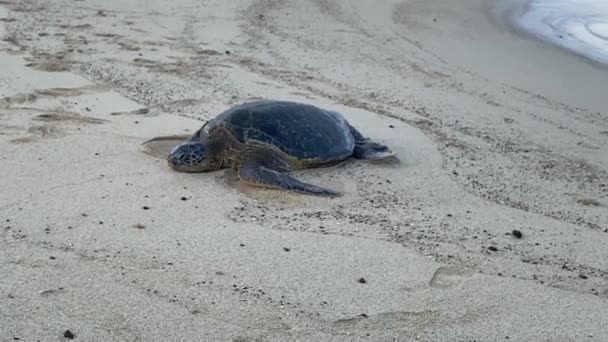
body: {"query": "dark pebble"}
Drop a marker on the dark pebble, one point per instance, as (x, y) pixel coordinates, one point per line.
(145, 207)
(69, 335)
(242, 245)
(493, 248)
(227, 52)
(517, 233)
(184, 198)
(391, 126)
(286, 249)
(52, 257)
(364, 315)
(582, 276)
(362, 280)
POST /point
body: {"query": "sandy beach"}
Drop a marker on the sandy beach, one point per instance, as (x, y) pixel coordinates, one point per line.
(496, 132)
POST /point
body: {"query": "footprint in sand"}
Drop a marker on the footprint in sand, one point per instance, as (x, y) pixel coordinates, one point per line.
(446, 277)
(51, 129)
(37, 132)
(51, 66)
(391, 320)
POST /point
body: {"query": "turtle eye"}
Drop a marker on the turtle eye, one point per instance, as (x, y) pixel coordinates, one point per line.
(188, 156)
(196, 153)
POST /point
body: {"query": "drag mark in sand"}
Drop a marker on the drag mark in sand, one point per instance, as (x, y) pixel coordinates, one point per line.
(54, 93)
(55, 124)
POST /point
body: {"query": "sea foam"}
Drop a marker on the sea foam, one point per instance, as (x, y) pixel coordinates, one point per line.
(580, 26)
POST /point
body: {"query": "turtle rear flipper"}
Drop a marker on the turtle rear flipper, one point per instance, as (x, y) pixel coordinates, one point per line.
(258, 175)
(368, 149)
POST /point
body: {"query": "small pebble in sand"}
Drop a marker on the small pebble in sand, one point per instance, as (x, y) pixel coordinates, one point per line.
(184, 198)
(493, 248)
(391, 126)
(582, 276)
(145, 207)
(286, 249)
(139, 226)
(517, 233)
(362, 280)
(69, 335)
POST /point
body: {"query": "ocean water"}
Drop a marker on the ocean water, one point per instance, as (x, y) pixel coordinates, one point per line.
(580, 26)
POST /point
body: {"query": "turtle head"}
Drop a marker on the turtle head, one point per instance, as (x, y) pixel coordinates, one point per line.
(190, 156)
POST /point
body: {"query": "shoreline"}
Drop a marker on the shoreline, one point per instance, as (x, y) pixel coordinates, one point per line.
(496, 133)
(510, 15)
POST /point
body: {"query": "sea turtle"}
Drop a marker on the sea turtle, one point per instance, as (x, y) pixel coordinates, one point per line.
(265, 140)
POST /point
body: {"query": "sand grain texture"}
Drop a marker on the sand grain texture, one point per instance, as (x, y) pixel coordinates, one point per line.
(495, 132)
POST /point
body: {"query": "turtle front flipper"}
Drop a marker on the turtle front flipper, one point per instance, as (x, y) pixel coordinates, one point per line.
(258, 175)
(368, 149)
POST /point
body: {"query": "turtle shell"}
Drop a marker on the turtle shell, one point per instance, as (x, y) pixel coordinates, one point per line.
(302, 131)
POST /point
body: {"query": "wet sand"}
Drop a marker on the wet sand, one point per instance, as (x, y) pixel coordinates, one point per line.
(496, 132)
(579, 26)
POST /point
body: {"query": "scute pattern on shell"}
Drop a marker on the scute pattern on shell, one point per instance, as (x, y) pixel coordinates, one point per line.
(302, 131)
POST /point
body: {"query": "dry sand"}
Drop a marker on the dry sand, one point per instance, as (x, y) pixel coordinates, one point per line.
(495, 132)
